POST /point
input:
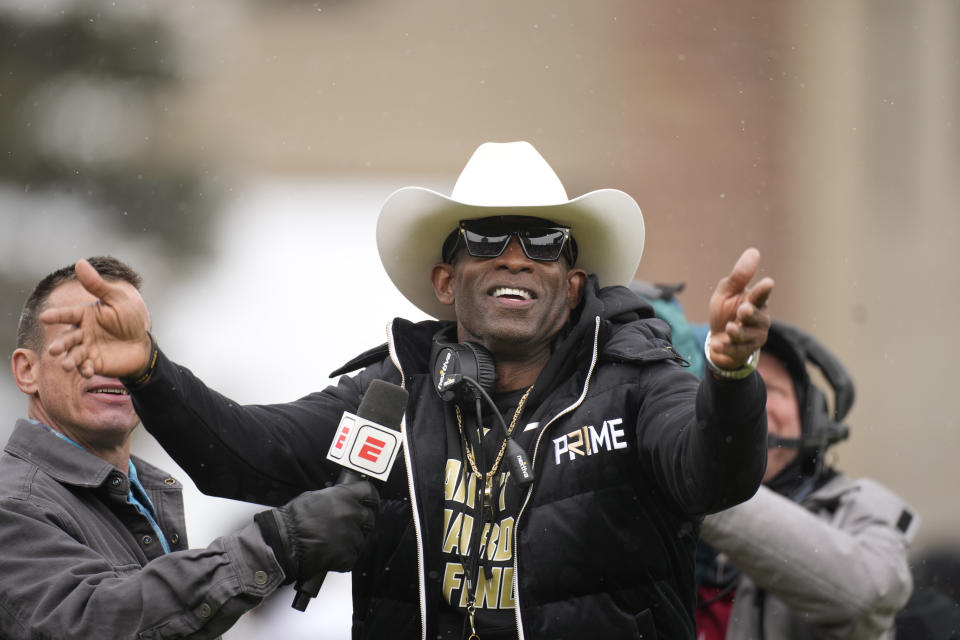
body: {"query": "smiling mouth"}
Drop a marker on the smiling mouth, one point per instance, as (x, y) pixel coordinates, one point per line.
(511, 293)
(112, 391)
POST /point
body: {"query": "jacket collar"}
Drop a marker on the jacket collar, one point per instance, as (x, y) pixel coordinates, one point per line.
(56, 457)
(412, 341)
(625, 315)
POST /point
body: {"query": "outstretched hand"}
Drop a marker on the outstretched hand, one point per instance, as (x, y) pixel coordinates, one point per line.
(108, 337)
(738, 319)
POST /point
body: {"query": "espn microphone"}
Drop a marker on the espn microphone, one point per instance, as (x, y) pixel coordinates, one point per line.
(366, 446)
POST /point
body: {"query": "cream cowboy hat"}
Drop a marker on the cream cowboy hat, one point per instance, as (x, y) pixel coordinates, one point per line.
(509, 178)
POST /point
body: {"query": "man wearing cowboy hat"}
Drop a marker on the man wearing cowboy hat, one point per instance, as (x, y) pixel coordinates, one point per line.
(536, 350)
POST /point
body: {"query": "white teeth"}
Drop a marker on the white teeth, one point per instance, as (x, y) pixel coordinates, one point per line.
(112, 391)
(507, 291)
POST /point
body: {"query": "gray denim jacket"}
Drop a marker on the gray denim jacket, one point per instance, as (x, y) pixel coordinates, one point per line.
(78, 561)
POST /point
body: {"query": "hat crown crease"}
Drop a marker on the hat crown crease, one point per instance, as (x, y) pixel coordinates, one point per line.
(508, 174)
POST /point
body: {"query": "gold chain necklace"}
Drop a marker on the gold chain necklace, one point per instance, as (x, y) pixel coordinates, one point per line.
(487, 490)
(503, 447)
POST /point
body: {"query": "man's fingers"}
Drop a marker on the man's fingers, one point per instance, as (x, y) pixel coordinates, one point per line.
(62, 315)
(741, 274)
(735, 344)
(87, 369)
(740, 333)
(738, 320)
(759, 293)
(728, 352)
(752, 315)
(93, 281)
(66, 341)
(743, 334)
(69, 345)
(73, 358)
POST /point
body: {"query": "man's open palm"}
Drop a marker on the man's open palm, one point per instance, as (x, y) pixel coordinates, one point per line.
(107, 338)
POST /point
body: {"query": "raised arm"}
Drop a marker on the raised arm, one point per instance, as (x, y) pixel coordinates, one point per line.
(720, 449)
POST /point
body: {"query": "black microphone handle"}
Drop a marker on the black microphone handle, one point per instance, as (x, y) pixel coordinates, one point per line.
(384, 404)
(308, 589)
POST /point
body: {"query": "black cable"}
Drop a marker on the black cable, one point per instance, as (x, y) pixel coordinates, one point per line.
(520, 470)
(471, 564)
(490, 403)
(516, 460)
(481, 490)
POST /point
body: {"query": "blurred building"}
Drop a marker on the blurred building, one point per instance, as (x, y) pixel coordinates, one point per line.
(825, 134)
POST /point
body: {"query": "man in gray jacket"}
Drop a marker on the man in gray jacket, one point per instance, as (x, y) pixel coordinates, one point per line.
(92, 539)
(815, 553)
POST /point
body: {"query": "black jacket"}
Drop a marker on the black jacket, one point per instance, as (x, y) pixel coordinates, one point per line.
(604, 542)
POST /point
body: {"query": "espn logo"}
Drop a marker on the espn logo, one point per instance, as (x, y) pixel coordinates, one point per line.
(364, 446)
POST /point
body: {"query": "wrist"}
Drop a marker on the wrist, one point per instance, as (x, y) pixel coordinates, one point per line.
(142, 378)
(270, 528)
(739, 373)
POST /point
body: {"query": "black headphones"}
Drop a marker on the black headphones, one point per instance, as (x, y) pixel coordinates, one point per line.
(821, 429)
(452, 361)
(465, 372)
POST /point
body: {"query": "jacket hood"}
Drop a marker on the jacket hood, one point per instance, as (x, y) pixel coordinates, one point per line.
(619, 309)
(617, 303)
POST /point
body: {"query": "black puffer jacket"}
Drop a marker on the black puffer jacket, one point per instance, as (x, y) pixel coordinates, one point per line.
(604, 542)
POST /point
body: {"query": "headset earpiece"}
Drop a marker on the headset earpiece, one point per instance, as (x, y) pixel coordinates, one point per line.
(823, 430)
(820, 428)
(836, 375)
(452, 361)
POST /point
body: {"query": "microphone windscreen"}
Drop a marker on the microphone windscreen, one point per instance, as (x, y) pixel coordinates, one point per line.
(384, 404)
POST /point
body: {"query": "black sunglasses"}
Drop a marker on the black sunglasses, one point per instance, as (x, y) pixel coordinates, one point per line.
(489, 239)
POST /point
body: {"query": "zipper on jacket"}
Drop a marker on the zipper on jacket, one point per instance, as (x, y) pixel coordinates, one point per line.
(677, 356)
(394, 358)
(533, 467)
(760, 602)
(421, 587)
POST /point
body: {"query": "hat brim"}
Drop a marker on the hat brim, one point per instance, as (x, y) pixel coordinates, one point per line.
(607, 225)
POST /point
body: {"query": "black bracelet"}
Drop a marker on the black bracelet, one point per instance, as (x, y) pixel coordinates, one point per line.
(133, 383)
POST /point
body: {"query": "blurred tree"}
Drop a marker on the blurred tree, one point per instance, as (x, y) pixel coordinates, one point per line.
(76, 115)
(80, 85)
